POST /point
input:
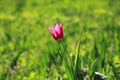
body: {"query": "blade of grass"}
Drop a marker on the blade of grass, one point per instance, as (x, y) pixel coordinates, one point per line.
(77, 59)
(92, 66)
(116, 74)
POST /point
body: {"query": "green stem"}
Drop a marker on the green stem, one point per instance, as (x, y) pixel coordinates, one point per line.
(69, 67)
(66, 51)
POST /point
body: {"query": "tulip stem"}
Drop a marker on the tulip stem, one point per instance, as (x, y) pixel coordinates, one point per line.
(66, 51)
(66, 59)
(71, 62)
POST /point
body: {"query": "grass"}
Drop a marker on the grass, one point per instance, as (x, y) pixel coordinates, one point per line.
(28, 51)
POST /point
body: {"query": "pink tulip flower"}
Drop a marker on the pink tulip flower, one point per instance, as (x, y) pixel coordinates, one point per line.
(57, 32)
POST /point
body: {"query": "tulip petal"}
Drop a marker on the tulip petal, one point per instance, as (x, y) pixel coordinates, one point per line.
(61, 30)
(50, 30)
(61, 25)
(57, 28)
(56, 32)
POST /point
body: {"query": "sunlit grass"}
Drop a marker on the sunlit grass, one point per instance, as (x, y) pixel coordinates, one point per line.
(28, 51)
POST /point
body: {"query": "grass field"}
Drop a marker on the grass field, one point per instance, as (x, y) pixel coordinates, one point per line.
(28, 51)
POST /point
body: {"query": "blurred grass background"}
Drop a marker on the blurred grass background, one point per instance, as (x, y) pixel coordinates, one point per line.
(28, 51)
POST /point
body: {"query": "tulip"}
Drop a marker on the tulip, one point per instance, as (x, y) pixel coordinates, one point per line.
(57, 32)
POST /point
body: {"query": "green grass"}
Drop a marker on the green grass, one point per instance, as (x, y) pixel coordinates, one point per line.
(28, 51)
